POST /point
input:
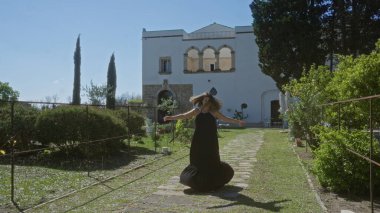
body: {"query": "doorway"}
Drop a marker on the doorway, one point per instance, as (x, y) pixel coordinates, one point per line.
(164, 94)
(275, 119)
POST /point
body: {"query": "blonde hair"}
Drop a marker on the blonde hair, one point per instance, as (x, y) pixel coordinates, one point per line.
(215, 104)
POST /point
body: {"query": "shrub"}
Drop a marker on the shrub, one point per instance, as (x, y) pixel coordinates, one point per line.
(137, 139)
(355, 77)
(164, 128)
(136, 121)
(339, 169)
(309, 91)
(71, 125)
(23, 129)
(183, 132)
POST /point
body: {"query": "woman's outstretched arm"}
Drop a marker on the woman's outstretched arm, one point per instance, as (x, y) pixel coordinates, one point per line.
(186, 115)
(224, 118)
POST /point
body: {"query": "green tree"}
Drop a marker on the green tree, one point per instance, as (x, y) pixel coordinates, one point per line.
(310, 91)
(96, 94)
(168, 105)
(77, 62)
(7, 92)
(354, 78)
(350, 27)
(288, 36)
(128, 98)
(292, 35)
(111, 83)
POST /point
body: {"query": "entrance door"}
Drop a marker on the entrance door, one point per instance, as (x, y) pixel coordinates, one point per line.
(274, 113)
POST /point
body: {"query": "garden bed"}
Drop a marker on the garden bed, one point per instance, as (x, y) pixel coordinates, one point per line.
(336, 202)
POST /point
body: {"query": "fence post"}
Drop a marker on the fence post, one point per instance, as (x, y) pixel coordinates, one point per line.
(12, 142)
(155, 129)
(371, 155)
(129, 129)
(87, 145)
(173, 132)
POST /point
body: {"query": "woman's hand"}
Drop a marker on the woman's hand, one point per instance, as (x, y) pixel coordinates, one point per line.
(167, 118)
(228, 119)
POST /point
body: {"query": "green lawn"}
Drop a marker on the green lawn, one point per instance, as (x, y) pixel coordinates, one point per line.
(37, 181)
(278, 182)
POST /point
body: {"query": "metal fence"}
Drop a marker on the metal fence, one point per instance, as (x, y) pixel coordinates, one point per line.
(27, 169)
(371, 122)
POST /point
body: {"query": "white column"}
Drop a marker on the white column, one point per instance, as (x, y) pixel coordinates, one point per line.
(200, 68)
(217, 61)
(185, 63)
(232, 60)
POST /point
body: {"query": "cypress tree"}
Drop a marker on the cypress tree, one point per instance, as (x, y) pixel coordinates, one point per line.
(77, 61)
(111, 84)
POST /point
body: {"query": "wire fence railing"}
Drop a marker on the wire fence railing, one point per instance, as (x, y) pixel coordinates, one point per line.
(32, 172)
(368, 122)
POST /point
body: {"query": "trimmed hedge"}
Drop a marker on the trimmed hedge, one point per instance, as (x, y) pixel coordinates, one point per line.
(136, 121)
(72, 125)
(24, 119)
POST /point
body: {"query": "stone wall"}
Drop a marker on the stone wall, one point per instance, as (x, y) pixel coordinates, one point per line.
(181, 93)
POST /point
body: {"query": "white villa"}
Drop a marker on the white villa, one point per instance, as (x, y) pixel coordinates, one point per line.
(178, 64)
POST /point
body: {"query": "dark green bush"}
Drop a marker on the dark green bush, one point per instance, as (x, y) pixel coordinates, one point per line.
(136, 121)
(71, 125)
(339, 169)
(24, 119)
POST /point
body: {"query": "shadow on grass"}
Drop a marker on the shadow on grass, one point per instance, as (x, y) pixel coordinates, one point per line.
(71, 162)
(231, 193)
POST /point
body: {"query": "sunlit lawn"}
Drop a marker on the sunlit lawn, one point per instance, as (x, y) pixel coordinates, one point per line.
(278, 183)
(37, 181)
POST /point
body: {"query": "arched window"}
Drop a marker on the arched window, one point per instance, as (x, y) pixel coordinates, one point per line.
(225, 59)
(209, 60)
(192, 60)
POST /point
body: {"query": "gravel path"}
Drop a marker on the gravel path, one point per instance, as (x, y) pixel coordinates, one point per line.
(172, 196)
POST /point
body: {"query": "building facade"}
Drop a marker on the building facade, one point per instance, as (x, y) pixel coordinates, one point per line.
(178, 65)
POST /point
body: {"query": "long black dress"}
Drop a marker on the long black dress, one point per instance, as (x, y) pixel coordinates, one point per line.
(206, 172)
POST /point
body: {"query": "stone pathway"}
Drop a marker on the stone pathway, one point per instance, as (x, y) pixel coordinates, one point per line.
(240, 153)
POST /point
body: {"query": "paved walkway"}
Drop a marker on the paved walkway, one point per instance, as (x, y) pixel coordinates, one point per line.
(240, 153)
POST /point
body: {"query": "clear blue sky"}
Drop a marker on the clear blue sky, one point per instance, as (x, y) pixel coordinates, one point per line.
(37, 39)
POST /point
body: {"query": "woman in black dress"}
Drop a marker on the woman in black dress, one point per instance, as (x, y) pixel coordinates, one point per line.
(206, 172)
